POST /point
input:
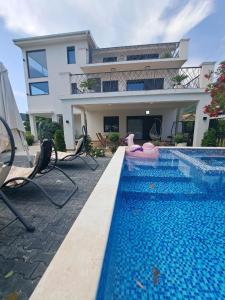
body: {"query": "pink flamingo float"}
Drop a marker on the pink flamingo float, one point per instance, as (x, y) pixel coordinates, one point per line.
(148, 150)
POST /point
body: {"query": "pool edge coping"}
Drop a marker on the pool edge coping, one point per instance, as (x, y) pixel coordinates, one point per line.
(75, 270)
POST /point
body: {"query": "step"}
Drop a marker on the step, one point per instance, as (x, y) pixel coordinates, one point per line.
(154, 172)
(163, 178)
(135, 197)
(160, 187)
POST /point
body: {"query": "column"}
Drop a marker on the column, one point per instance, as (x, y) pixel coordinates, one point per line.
(183, 48)
(68, 126)
(33, 127)
(55, 118)
(207, 68)
(201, 123)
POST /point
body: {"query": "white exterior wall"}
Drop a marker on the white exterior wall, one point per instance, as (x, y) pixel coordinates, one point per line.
(95, 120)
(56, 55)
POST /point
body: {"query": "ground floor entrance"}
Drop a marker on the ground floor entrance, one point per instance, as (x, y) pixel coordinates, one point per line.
(143, 127)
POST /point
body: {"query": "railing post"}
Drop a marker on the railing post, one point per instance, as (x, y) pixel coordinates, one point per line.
(207, 69)
(183, 49)
(65, 88)
(68, 126)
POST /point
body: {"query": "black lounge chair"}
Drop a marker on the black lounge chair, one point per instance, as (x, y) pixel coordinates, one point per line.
(80, 152)
(46, 162)
(5, 167)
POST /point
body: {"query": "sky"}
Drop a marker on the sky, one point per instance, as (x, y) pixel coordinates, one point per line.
(112, 23)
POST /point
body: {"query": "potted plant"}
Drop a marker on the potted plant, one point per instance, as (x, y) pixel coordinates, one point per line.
(178, 81)
(88, 85)
(166, 55)
(180, 140)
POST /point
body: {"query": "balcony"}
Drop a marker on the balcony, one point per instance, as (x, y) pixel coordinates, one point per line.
(137, 57)
(134, 53)
(136, 80)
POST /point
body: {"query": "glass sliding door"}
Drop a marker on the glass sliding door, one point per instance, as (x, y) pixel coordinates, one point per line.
(135, 125)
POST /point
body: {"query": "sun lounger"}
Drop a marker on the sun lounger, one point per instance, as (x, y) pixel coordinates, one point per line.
(81, 153)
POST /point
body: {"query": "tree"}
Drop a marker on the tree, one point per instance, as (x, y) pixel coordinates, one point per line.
(217, 92)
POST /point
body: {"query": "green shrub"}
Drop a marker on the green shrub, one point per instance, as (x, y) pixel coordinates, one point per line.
(114, 141)
(97, 152)
(221, 125)
(59, 140)
(47, 128)
(179, 138)
(209, 139)
(114, 137)
(26, 123)
(29, 138)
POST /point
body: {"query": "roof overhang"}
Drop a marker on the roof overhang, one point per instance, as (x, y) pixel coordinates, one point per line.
(55, 38)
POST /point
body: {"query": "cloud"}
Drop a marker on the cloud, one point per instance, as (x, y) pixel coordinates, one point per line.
(111, 22)
(187, 18)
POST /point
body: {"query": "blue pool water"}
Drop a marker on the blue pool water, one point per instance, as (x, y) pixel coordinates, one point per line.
(167, 237)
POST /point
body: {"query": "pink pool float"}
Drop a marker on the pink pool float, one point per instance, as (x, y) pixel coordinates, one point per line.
(148, 150)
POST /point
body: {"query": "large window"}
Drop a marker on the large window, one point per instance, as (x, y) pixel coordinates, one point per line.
(111, 124)
(71, 59)
(142, 56)
(37, 64)
(145, 84)
(39, 88)
(109, 59)
(110, 86)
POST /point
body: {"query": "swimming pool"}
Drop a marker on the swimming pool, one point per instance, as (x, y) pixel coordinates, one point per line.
(167, 237)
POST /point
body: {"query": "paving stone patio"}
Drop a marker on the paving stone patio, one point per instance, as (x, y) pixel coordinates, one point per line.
(25, 256)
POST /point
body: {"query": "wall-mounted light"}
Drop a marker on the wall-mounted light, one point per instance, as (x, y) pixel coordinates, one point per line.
(204, 118)
(147, 112)
(67, 121)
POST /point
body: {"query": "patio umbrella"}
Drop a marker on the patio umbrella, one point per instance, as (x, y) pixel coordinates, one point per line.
(9, 111)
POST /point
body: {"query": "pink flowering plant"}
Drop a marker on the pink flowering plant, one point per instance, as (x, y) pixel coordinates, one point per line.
(217, 92)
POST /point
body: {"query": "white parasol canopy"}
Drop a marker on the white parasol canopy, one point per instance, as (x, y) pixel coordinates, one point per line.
(9, 111)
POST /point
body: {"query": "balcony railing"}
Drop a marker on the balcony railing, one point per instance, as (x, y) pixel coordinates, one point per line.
(131, 53)
(148, 79)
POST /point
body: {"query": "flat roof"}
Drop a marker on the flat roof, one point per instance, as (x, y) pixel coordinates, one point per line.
(28, 40)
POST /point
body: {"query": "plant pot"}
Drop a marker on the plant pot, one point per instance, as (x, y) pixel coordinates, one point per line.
(181, 144)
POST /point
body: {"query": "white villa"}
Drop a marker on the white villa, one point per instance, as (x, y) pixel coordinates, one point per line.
(120, 89)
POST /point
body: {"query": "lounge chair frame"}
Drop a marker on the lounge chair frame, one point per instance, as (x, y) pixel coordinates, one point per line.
(82, 153)
(3, 196)
(46, 163)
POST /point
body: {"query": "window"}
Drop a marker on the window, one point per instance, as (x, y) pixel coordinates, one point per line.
(71, 55)
(135, 85)
(145, 84)
(142, 56)
(39, 88)
(109, 59)
(74, 88)
(110, 86)
(154, 84)
(111, 124)
(37, 64)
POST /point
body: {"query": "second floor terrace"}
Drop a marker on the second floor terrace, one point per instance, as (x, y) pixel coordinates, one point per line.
(138, 80)
(135, 57)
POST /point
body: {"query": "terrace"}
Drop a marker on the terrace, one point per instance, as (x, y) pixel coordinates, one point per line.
(131, 53)
(136, 80)
(25, 256)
